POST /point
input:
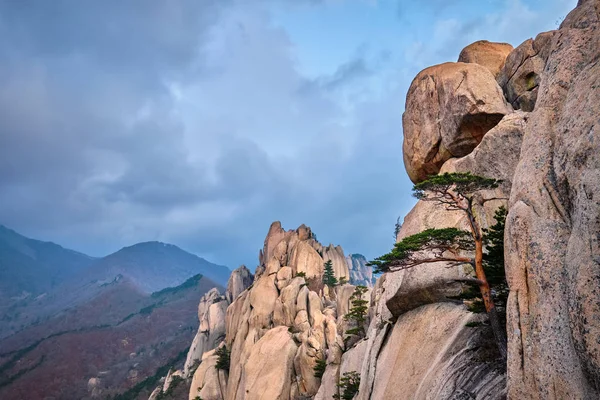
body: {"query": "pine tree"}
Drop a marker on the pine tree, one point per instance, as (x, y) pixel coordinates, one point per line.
(358, 312)
(493, 262)
(319, 368)
(224, 358)
(348, 386)
(329, 276)
(455, 192)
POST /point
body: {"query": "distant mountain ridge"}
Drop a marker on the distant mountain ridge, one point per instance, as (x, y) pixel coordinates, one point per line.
(40, 279)
(75, 326)
(35, 266)
(156, 265)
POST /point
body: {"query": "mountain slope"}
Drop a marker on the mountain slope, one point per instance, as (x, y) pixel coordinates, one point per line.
(153, 266)
(33, 266)
(104, 346)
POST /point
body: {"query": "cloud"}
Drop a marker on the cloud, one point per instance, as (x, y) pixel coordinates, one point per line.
(189, 121)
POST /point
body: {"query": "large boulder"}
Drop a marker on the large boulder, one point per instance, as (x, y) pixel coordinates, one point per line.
(239, 280)
(304, 258)
(521, 74)
(552, 241)
(209, 383)
(449, 108)
(488, 54)
(269, 369)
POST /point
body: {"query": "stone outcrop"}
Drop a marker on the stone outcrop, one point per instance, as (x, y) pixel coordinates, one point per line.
(553, 255)
(487, 54)
(200, 360)
(449, 108)
(269, 371)
(211, 314)
(238, 281)
(520, 76)
(360, 273)
(208, 382)
(285, 321)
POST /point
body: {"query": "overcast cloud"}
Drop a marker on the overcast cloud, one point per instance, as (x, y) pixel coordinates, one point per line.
(200, 122)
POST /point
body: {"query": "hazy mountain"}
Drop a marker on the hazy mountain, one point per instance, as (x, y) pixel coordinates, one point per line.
(29, 266)
(155, 265)
(39, 280)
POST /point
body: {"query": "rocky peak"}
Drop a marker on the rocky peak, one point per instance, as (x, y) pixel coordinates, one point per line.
(360, 273)
(239, 281)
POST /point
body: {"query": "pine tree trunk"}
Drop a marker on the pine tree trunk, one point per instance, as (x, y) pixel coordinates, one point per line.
(486, 294)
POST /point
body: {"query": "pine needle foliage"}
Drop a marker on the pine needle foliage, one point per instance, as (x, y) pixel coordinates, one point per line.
(224, 358)
(329, 276)
(358, 312)
(493, 261)
(348, 386)
(408, 252)
(319, 368)
(463, 184)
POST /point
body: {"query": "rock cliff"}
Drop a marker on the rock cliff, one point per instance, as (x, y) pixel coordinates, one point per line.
(552, 240)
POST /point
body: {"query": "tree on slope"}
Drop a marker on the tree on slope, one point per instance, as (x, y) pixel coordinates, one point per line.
(493, 262)
(454, 191)
(358, 312)
(329, 276)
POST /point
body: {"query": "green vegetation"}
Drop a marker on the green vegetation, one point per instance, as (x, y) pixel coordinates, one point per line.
(455, 192)
(224, 358)
(397, 227)
(493, 262)
(319, 368)
(190, 283)
(301, 274)
(348, 386)
(343, 280)
(175, 381)
(328, 275)
(357, 312)
(7, 381)
(148, 309)
(407, 253)
(151, 381)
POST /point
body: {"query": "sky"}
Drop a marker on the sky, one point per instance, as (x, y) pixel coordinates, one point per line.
(200, 122)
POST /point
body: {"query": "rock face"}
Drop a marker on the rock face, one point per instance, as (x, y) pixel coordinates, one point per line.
(488, 54)
(211, 314)
(360, 273)
(449, 108)
(239, 280)
(553, 252)
(208, 382)
(431, 354)
(269, 371)
(520, 76)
